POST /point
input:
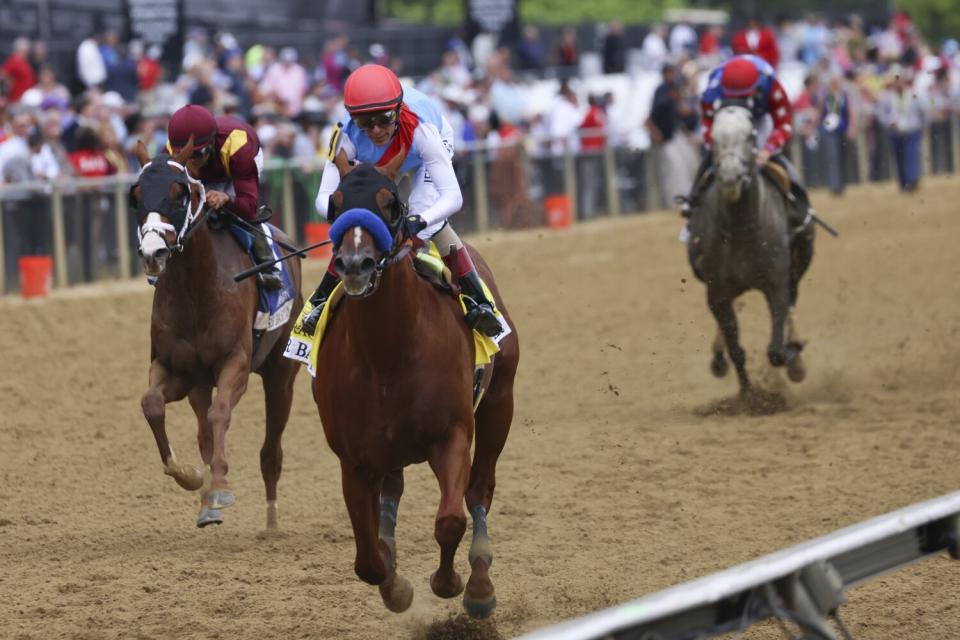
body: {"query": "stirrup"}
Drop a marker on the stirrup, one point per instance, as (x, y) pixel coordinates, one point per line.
(309, 325)
(480, 316)
(270, 279)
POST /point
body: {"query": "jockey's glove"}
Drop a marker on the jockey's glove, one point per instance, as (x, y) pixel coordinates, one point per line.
(414, 225)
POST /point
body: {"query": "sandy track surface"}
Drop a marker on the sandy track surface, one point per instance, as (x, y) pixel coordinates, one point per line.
(613, 484)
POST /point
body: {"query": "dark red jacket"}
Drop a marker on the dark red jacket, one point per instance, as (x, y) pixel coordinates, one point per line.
(21, 75)
(235, 159)
(759, 42)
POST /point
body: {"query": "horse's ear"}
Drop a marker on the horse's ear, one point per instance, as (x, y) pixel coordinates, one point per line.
(387, 203)
(185, 153)
(392, 168)
(141, 151)
(343, 165)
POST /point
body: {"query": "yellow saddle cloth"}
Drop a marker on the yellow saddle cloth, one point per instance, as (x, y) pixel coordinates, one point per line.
(304, 348)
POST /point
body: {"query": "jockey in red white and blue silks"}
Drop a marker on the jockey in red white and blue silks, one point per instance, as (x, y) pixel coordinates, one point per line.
(751, 81)
(385, 120)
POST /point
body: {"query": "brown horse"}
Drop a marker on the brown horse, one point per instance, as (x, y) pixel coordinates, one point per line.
(394, 387)
(201, 332)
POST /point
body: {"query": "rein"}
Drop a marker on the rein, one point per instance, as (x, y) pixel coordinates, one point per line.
(398, 253)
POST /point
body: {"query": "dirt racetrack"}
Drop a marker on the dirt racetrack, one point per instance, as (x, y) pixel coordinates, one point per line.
(614, 482)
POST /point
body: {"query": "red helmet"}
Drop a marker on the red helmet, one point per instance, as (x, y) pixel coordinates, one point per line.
(191, 120)
(740, 78)
(372, 88)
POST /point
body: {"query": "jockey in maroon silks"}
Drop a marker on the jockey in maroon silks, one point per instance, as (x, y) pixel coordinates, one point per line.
(750, 81)
(228, 160)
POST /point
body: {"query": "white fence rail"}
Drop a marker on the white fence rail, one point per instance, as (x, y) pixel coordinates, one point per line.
(803, 584)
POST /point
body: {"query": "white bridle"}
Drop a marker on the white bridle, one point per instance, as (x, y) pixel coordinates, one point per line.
(153, 223)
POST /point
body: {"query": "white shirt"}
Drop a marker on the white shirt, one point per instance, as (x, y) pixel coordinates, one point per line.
(436, 193)
(90, 64)
(44, 164)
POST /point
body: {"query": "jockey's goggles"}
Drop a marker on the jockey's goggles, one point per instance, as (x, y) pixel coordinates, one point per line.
(376, 119)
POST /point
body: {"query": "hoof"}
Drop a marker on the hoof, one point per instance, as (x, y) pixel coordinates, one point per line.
(220, 499)
(209, 516)
(479, 608)
(185, 475)
(719, 365)
(796, 370)
(397, 593)
(777, 357)
(446, 590)
(272, 515)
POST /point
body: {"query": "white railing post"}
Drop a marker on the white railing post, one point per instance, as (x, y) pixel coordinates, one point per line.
(480, 200)
(59, 237)
(123, 230)
(288, 216)
(3, 257)
(570, 183)
(863, 156)
(610, 173)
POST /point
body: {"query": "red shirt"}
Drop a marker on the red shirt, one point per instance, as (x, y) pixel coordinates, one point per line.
(235, 159)
(709, 43)
(91, 164)
(21, 76)
(148, 72)
(759, 42)
(595, 119)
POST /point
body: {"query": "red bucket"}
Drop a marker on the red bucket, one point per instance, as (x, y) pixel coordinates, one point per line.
(318, 232)
(559, 214)
(36, 276)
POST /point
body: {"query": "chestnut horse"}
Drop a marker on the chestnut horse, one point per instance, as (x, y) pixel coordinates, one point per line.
(201, 332)
(394, 387)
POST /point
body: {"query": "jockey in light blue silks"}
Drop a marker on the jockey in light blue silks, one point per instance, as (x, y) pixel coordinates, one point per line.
(384, 122)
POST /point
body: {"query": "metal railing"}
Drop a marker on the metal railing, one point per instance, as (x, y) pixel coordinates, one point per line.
(85, 224)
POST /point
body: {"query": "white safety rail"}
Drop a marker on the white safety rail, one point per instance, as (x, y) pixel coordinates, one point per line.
(803, 584)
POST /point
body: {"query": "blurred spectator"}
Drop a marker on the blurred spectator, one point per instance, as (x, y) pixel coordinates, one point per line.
(236, 84)
(836, 128)
(335, 62)
(590, 168)
(710, 40)
(567, 54)
(286, 82)
(453, 71)
(17, 71)
(122, 74)
(815, 41)
(39, 56)
(108, 50)
(757, 40)
(50, 161)
(148, 68)
(655, 48)
(47, 93)
(90, 65)
(683, 41)
(564, 119)
(942, 101)
(902, 112)
(15, 154)
(676, 155)
(88, 159)
(614, 49)
(530, 51)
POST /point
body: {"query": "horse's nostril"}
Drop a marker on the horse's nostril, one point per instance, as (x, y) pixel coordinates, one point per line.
(368, 264)
(339, 265)
(161, 254)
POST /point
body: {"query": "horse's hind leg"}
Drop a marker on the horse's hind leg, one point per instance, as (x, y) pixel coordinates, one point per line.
(779, 304)
(278, 392)
(375, 562)
(796, 369)
(165, 388)
(493, 419)
(722, 309)
(450, 461)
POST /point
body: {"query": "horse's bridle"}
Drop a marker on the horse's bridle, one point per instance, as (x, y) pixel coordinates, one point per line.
(402, 245)
(192, 217)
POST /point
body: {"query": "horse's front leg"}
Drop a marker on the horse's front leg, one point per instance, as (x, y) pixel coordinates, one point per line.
(796, 369)
(778, 301)
(450, 461)
(376, 562)
(231, 383)
(722, 309)
(166, 387)
(390, 494)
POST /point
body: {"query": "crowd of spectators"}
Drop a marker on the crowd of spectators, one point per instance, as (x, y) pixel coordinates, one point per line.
(885, 81)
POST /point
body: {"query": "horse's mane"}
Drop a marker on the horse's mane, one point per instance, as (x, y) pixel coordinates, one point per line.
(731, 126)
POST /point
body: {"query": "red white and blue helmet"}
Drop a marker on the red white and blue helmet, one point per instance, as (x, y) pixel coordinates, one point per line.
(191, 120)
(740, 78)
(371, 88)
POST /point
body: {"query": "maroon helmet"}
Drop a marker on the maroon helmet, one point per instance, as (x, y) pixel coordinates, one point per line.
(372, 87)
(191, 120)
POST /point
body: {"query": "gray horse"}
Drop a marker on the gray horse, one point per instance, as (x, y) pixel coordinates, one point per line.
(740, 240)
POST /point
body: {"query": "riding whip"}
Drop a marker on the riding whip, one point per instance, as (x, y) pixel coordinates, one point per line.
(243, 275)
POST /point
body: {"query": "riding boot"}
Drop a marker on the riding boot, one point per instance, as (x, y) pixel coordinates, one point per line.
(318, 300)
(688, 202)
(480, 314)
(270, 278)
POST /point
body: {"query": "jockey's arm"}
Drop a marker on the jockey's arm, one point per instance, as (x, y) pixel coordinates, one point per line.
(706, 120)
(330, 178)
(782, 114)
(245, 176)
(439, 165)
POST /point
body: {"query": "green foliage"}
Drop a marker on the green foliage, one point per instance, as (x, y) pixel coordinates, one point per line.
(937, 19)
